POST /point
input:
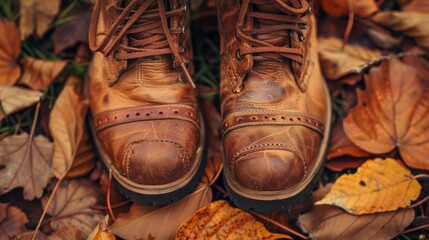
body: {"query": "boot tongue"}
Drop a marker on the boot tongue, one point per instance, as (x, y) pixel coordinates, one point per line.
(274, 39)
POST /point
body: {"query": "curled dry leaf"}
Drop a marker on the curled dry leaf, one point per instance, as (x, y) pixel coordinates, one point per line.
(71, 206)
(342, 163)
(329, 222)
(337, 62)
(340, 8)
(221, 221)
(377, 186)
(39, 74)
(162, 222)
(27, 163)
(392, 112)
(13, 99)
(12, 221)
(67, 125)
(411, 24)
(36, 16)
(10, 48)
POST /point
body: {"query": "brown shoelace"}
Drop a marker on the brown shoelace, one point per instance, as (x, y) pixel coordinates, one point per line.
(277, 24)
(137, 18)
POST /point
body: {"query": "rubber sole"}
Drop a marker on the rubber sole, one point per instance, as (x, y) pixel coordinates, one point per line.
(280, 200)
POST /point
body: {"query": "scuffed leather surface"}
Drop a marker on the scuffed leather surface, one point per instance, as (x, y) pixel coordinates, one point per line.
(270, 157)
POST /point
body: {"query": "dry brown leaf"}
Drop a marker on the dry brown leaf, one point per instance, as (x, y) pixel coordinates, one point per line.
(27, 164)
(411, 24)
(71, 206)
(36, 16)
(342, 163)
(160, 222)
(329, 222)
(10, 49)
(13, 99)
(66, 233)
(337, 62)
(392, 112)
(29, 236)
(377, 186)
(341, 144)
(84, 160)
(67, 125)
(416, 5)
(12, 221)
(38, 74)
(221, 221)
(340, 8)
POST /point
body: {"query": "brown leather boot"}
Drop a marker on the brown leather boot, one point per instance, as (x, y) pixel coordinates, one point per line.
(143, 104)
(275, 104)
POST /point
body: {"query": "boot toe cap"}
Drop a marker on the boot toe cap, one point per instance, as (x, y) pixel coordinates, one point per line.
(155, 162)
(269, 170)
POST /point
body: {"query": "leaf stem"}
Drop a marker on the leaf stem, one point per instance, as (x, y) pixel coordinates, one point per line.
(283, 227)
(419, 202)
(54, 191)
(109, 190)
(103, 208)
(420, 176)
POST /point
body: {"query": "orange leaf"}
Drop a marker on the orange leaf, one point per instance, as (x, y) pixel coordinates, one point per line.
(36, 16)
(10, 48)
(392, 112)
(221, 221)
(38, 74)
(339, 8)
(341, 144)
(13, 99)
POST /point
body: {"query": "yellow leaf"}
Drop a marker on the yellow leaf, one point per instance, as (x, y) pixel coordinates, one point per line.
(377, 186)
(67, 126)
(221, 221)
(36, 16)
(102, 231)
(38, 74)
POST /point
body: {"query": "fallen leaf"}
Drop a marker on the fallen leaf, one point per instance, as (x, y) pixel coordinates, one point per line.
(74, 31)
(12, 221)
(391, 112)
(36, 16)
(71, 206)
(84, 160)
(329, 222)
(13, 99)
(160, 222)
(340, 8)
(66, 233)
(38, 74)
(27, 162)
(341, 144)
(220, 221)
(102, 231)
(377, 186)
(411, 24)
(337, 62)
(67, 125)
(10, 49)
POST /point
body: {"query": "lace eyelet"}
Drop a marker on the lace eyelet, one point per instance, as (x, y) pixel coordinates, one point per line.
(302, 25)
(182, 29)
(238, 56)
(301, 38)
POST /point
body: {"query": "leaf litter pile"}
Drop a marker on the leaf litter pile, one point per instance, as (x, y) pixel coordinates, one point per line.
(374, 56)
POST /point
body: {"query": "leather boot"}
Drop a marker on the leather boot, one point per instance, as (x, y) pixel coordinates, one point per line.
(275, 104)
(143, 102)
